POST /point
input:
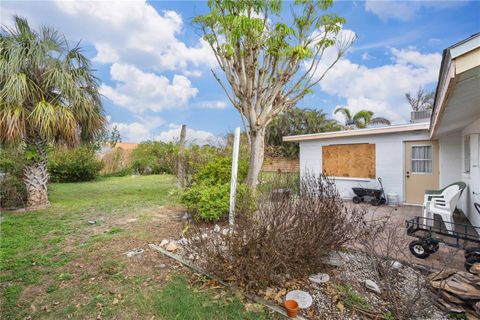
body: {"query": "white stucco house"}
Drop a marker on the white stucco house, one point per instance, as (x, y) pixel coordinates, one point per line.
(414, 157)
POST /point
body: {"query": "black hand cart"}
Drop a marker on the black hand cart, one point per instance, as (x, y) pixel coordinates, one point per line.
(431, 233)
(377, 196)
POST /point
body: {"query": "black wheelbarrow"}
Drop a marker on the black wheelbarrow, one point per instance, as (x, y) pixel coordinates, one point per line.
(376, 196)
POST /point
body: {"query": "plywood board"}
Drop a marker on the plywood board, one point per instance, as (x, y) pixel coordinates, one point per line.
(349, 160)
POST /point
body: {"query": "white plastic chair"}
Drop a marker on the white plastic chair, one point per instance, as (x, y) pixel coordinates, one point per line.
(444, 205)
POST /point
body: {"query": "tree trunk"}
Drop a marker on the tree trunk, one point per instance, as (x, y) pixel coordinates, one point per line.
(36, 174)
(256, 157)
(181, 173)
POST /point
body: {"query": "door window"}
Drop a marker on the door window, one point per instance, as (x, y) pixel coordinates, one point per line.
(422, 159)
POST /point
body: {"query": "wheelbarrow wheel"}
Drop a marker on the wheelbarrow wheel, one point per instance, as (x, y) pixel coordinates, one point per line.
(419, 249)
(470, 261)
(357, 200)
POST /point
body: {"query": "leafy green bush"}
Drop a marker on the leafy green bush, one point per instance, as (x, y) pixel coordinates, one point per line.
(219, 171)
(13, 193)
(208, 197)
(212, 202)
(73, 165)
(154, 157)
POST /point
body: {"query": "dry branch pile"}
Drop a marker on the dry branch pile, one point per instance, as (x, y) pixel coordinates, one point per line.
(458, 291)
(285, 237)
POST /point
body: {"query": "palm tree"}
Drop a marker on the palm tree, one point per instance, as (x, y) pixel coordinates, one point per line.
(362, 118)
(48, 95)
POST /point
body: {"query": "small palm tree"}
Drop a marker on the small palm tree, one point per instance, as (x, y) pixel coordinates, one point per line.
(362, 118)
(48, 95)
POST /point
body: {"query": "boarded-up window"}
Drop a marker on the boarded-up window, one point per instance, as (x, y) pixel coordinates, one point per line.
(349, 160)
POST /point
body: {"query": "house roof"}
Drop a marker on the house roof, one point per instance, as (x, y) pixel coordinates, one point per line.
(449, 78)
(360, 132)
(126, 145)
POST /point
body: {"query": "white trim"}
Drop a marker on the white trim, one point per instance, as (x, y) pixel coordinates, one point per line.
(352, 179)
(465, 47)
(360, 132)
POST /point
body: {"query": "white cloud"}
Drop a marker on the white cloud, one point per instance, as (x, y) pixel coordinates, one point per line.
(366, 56)
(199, 137)
(381, 89)
(127, 32)
(404, 10)
(137, 131)
(212, 104)
(139, 91)
(132, 132)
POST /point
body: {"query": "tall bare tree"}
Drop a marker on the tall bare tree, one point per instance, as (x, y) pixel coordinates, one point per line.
(270, 61)
(48, 95)
(421, 100)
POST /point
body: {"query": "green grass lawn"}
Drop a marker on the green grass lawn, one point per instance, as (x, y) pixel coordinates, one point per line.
(55, 265)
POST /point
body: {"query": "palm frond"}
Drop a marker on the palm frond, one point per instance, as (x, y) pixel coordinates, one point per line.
(52, 84)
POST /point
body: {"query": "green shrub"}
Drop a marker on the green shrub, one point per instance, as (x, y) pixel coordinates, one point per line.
(155, 157)
(212, 202)
(13, 193)
(73, 165)
(219, 171)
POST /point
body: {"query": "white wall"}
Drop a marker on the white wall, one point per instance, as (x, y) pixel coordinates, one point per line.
(389, 161)
(450, 158)
(472, 179)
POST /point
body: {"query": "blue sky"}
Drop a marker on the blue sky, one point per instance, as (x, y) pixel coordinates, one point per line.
(155, 69)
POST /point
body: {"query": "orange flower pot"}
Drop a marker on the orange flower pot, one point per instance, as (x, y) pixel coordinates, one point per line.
(292, 308)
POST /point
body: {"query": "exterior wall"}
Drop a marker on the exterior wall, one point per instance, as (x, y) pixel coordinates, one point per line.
(472, 179)
(389, 161)
(452, 167)
(450, 153)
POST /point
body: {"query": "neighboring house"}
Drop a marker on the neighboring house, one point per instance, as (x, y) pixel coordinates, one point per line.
(414, 157)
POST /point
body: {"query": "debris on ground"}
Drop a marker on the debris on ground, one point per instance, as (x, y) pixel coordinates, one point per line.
(459, 291)
(134, 252)
(319, 278)
(303, 298)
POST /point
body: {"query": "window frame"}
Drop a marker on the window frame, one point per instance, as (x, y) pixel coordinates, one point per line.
(467, 147)
(412, 159)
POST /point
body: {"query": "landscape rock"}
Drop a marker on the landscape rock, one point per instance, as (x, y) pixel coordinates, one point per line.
(397, 265)
(216, 228)
(183, 241)
(371, 285)
(304, 299)
(163, 243)
(319, 278)
(134, 252)
(171, 247)
(335, 259)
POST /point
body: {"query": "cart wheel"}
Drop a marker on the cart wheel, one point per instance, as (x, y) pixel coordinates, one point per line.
(469, 262)
(357, 199)
(419, 249)
(471, 252)
(375, 202)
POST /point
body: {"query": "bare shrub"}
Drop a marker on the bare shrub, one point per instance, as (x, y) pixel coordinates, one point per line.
(403, 290)
(290, 235)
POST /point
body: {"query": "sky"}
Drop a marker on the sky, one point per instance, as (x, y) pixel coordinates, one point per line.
(155, 69)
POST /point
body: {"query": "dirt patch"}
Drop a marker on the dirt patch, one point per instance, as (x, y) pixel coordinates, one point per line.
(100, 263)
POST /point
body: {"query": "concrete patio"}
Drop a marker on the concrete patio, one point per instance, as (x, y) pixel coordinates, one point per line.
(395, 217)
